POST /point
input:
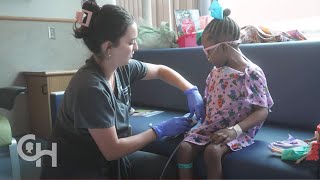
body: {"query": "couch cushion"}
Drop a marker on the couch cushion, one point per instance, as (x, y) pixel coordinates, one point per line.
(266, 164)
(270, 133)
(191, 63)
(255, 161)
(292, 71)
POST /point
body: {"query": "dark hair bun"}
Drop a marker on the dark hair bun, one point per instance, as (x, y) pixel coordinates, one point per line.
(91, 5)
(226, 12)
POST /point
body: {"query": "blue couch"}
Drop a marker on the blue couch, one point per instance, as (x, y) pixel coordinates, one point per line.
(292, 71)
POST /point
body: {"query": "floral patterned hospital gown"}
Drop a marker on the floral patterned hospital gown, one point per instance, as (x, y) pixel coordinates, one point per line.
(230, 96)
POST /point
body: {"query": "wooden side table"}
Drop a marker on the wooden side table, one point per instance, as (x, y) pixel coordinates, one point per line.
(39, 87)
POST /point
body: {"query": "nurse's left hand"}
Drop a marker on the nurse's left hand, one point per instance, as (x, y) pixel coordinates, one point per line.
(172, 127)
(195, 103)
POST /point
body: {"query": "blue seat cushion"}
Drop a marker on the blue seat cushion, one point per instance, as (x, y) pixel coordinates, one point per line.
(270, 133)
(255, 161)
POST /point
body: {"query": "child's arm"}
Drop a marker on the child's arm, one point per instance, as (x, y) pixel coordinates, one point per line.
(259, 115)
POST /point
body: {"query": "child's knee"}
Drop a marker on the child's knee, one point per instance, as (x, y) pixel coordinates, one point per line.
(185, 150)
(185, 147)
(213, 151)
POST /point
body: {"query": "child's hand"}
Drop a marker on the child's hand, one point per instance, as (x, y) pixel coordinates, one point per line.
(223, 136)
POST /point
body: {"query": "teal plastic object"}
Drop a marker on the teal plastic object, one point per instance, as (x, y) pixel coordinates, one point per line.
(295, 153)
(216, 10)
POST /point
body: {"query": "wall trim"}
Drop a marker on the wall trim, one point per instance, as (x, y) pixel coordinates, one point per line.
(18, 18)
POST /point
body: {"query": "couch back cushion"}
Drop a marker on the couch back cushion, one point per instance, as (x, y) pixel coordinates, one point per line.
(191, 63)
(291, 68)
(292, 71)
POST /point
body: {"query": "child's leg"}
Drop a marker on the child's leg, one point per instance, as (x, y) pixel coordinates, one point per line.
(185, 155)
(212, 157)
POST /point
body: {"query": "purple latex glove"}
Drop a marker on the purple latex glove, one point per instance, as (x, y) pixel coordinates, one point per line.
(172, 127)
(195, 103)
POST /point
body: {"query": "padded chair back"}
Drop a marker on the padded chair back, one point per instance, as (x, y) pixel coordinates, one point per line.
(5, 132)
(10, 143)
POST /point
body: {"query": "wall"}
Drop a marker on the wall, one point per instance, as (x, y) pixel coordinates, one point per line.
(25, 46)
(267, 12)
(40, 8)
(43, 8)
(101, 2)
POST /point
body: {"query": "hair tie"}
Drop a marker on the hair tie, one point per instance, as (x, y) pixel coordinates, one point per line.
(216, 10)
(80, 16)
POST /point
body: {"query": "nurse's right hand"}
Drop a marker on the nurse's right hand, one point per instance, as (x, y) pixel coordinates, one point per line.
(172, 127)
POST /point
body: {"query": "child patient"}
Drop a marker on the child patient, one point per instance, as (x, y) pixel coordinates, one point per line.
(237, 101)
